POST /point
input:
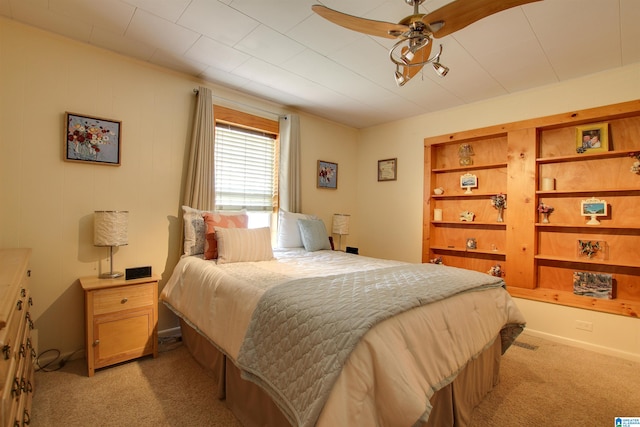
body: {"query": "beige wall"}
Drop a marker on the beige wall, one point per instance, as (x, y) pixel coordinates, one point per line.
(394, 209)
(47, 204)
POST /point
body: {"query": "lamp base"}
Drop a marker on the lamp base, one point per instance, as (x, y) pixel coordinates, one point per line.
(111, 275)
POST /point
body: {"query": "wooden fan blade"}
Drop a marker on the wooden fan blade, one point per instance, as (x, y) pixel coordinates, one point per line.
(461, 13)
(420, 56)
(362, 25)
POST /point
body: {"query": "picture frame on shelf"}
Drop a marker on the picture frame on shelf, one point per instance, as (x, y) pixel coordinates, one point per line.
(90, 139)
(593, 208)
(468, 181)
(327, 175)
(388, 169)
(594, 285)
(592, 249)
(592, 138)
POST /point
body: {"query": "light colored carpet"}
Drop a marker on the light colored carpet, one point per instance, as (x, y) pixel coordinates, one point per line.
(552, 385)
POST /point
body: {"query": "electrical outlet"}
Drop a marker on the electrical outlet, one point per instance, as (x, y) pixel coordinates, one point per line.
(585, 326)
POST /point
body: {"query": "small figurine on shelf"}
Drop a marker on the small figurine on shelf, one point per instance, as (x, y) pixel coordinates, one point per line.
(499, 201)
(465, 152)
(635, 168)
(545, 210)
(436, 260)
(467, 216)
(496, 271)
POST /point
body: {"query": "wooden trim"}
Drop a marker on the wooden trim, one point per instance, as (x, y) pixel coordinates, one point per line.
(227, 115)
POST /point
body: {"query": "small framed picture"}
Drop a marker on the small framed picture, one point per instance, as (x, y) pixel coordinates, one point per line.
(468, 181)
(92, 140)
(388, 169)
(592, 138)
(593, 208)
(327, 175)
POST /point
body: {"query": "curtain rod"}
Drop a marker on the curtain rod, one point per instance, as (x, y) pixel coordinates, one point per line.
(240, 104)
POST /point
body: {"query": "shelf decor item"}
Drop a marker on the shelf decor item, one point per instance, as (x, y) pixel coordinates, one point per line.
(635, 167)
(92, 140)
(388, 169)
(465, 152)
(496, 271)
(436, 260)
(467, 216)
(595, 285)
(472, 243)
(545, 210)
(592, 138)
(468, 181)
(499, 201)
(592, 249)
(593, 208)
(327, 175)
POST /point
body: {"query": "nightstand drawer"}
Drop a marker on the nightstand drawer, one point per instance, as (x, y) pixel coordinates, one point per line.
(122, 298)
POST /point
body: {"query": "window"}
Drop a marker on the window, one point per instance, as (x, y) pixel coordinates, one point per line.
(246, 165)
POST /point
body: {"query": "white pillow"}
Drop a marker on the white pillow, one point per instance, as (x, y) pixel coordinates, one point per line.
(314, 235)
(288, 231)
(243, 244)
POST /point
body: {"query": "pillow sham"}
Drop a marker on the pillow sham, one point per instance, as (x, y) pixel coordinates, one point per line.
(243, 244)
(225, 220)
(194, 231)
(288, 231)
(313, 234)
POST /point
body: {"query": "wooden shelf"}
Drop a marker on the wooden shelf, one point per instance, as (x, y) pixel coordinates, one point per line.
(470, 224)
(587, 261)
(614, 306)
(585, 156)
(470, 168)
(613, 191)
(497, 254)
(582, 227)
(475, 195)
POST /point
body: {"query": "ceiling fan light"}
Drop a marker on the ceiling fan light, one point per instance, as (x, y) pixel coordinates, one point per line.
(440, 69)
(400, 79)
(407, 57)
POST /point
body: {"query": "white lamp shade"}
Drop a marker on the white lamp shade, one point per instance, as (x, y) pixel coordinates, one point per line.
(341, 224)
(110, 228)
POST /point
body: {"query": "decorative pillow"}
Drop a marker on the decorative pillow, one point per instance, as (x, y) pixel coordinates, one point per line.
(288, 231)
(243, 244)
(194, 231)
(212, 220)
(314, 235)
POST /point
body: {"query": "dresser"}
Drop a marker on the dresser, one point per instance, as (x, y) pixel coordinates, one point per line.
(18, 354)
(121, 319)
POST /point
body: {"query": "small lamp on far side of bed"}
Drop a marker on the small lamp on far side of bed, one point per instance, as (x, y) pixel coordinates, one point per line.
(110, 229)
(340, 227)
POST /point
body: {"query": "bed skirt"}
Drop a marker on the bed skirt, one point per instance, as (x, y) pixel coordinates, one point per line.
(452, 405)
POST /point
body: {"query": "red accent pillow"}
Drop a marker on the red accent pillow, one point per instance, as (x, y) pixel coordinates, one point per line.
(212, 220)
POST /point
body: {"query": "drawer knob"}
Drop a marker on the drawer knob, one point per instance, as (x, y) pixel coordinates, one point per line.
(96, 342)
(124, 300)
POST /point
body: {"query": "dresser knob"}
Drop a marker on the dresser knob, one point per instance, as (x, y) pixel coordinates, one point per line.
(96, 342)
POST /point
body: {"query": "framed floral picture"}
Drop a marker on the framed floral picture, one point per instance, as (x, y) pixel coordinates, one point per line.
(327, 175)
(592, 138)
(92, 140)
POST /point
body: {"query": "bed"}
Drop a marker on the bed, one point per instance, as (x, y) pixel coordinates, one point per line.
(325, 338)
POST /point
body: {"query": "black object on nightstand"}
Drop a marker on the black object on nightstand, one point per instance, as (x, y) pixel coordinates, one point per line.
(352, 250)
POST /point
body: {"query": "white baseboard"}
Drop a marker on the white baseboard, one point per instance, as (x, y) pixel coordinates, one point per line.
(583, 345)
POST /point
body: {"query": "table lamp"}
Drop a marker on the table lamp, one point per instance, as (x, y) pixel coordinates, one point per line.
(110, 229)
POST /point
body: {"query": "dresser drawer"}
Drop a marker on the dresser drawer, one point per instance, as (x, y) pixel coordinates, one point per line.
(122, 298)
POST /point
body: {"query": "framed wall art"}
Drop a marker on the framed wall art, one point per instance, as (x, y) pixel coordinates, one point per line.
(92, 139)
(388, 169)
(327, 175)
(592, 138)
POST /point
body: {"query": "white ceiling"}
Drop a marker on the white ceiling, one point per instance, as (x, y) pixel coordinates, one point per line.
(281, 51)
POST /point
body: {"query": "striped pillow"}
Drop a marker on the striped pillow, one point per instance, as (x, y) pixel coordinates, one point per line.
(243, 244)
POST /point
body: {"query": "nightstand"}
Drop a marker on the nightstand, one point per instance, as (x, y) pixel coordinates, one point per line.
(121, 319)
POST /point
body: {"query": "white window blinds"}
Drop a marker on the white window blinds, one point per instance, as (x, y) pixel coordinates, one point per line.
(244, 168)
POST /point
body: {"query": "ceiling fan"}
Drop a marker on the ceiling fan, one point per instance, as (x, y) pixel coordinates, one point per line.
(416, 32)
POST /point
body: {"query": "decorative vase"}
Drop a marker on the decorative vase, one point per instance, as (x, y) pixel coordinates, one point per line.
(545, 217)
(500, 211)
